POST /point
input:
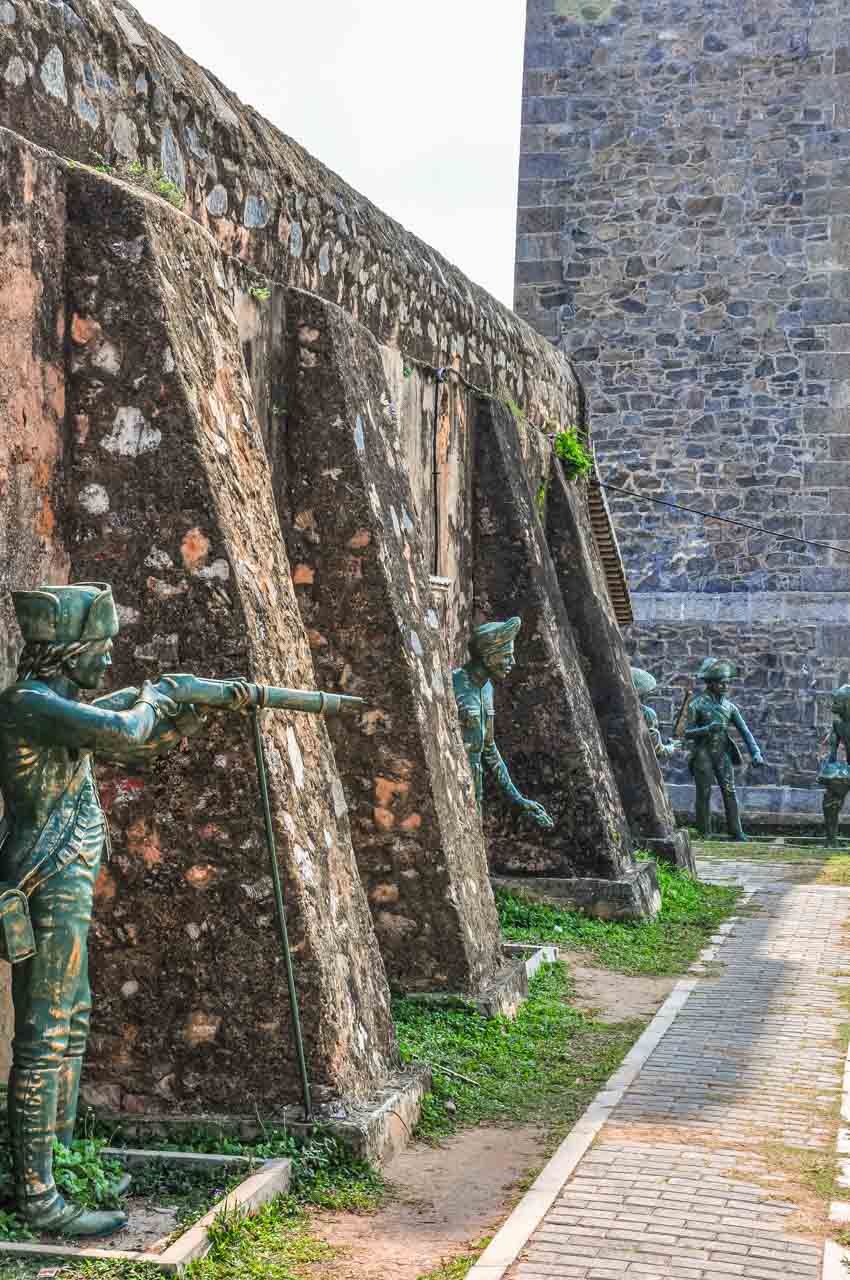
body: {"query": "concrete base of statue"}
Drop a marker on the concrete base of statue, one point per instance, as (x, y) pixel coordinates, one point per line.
(374, 1129)
(634, 896)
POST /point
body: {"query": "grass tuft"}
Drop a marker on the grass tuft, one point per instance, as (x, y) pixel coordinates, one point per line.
(690, 912)
(460, 1266)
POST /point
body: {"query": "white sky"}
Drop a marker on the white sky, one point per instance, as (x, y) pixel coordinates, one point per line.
(416, 106)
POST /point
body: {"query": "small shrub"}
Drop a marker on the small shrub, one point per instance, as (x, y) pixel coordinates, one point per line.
(574, 458)
(260, 292)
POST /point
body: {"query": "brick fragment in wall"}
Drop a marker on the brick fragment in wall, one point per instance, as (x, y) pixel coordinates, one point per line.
(90, 78)
(363, 588)
(185, 956)
(603, 658)
(546, 725)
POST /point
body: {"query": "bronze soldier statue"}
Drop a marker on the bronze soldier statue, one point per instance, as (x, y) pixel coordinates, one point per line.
(51, 841)
(834, 776)
(491, 648)
(645, 683)
(714, 753)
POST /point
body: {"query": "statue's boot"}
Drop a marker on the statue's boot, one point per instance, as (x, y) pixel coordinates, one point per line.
(67, 1102)
(33, 1128)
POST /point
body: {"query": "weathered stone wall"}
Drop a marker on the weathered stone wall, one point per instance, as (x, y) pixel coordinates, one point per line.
(684, 233)
(88, 79)
(172, 501)
(32, 377)
(32, 403)
(356, 547)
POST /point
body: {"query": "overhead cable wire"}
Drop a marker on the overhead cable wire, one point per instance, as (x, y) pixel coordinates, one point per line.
(709, 515)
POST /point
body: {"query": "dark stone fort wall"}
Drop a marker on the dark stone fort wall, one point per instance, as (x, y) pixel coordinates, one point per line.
(684, 234)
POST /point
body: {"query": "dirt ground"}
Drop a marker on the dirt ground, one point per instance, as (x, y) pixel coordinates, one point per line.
(150, 1226)
(451, 1196)
(615, 997)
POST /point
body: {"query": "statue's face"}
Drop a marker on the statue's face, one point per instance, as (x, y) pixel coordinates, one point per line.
(91, 667)
(500, 664)
(718, 688)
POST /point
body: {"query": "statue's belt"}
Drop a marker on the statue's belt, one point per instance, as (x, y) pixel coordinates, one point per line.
(17, 940)
(728, 748)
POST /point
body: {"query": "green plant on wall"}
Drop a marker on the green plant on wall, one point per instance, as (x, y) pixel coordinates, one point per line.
(540, 500)
(574, 457)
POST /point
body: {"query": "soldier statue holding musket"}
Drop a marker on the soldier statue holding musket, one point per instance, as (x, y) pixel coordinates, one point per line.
(51, 841)
(714, 753)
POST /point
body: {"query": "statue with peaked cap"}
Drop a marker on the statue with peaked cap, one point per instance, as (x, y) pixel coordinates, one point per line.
(644, 683)
(834, 776)
(491, 649)
(51, 840)
(714, 753)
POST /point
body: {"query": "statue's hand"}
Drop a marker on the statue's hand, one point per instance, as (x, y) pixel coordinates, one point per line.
(538, 814)
(758, 758)
(241, 695)
(165, 707)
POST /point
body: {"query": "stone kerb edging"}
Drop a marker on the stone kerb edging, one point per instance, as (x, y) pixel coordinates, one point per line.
(834, 1255)
(506, 1246)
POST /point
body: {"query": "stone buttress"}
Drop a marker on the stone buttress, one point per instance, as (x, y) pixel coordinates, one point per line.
(606, 668)
(172, 502)
(546, 726)
(361, 577)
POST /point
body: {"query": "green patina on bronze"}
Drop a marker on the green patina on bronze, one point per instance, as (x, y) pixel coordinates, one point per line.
(834, 776)
(714, 753)
(491, 648)
(645, 684)
(51, 842)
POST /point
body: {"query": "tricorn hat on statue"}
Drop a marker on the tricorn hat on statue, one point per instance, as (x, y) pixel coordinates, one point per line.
(66, 615)
(643, 681)
(493, 636)
(717, 669)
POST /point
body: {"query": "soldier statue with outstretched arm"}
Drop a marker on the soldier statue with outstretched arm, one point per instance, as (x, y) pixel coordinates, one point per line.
(714, 753)
(53, 834)
(491, 648)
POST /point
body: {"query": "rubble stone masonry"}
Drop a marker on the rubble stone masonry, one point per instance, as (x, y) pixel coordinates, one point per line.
(684, 233)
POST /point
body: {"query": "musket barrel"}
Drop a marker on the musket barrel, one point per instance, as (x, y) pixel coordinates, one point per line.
(187, 688)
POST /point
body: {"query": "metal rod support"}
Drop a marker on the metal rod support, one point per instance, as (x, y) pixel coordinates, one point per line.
(281, 914)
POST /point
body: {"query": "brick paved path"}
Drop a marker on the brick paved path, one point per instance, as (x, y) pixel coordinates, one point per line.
(681, 1184)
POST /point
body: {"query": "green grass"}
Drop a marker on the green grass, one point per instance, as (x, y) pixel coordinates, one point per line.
(543, 1066)
(690, 912)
